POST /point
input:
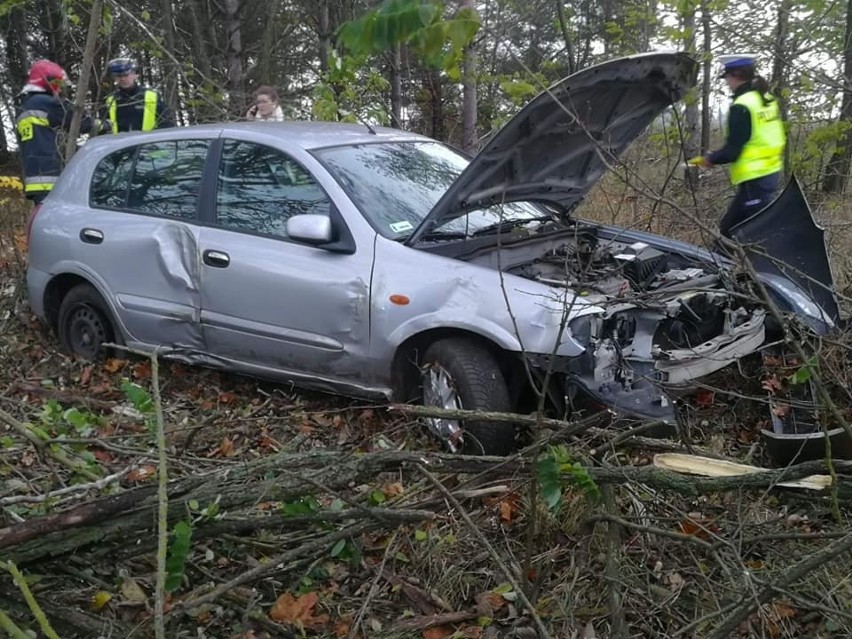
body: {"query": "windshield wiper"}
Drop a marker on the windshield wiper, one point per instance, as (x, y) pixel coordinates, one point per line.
(508, 225)
(437, 236)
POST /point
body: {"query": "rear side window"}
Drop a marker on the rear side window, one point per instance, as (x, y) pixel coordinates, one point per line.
(260, 188)
(111, 179)
(161, 178)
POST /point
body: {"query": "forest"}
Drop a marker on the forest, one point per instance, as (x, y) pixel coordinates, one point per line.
(145, 497)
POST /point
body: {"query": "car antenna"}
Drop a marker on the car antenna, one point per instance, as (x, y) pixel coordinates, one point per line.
(360, 119)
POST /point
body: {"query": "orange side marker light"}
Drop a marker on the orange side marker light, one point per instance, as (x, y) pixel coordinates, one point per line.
(399, 300)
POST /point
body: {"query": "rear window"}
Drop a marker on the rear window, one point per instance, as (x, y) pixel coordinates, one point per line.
(161, 178)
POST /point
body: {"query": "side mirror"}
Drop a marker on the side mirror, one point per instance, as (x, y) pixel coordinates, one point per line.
(310, 228)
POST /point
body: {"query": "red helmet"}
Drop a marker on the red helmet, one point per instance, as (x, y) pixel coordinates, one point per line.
(47, 75)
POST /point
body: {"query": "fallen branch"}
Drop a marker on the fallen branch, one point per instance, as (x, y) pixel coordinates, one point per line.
(422, 623)
(750, 601)
(63, 397)
(76, 488)
(162, 502)
(126, 518)
(7, 625)
(566, 428)
(73, 621)
(278, 563)
(57, 453)
(507, 573)
(35, 609)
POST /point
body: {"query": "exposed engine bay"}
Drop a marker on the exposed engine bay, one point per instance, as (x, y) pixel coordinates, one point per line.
(667, 319)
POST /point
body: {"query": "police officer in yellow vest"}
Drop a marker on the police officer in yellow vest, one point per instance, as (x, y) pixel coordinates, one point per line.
(132, 107)
(755, 143)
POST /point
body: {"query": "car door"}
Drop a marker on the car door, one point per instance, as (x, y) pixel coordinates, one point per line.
(141, 239)
(267, 300)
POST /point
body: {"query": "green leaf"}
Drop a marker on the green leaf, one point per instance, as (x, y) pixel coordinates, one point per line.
(178, 552)
(806, 371)
(549, 481)
(299, 506)
(377, 497)
(338, 547)
(421, 535)
(138, 397)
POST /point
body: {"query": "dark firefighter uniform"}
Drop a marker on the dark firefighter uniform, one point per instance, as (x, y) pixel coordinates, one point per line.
(40, 117)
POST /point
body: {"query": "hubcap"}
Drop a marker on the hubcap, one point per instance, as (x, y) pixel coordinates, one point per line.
(439, 391)
(86, 331)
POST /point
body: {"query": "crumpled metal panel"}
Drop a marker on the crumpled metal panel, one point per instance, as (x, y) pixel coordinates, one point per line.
(786, 246)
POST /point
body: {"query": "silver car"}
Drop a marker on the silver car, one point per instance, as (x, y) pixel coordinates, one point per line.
(382, 264)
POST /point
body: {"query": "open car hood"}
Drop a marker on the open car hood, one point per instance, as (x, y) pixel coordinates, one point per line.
(560, 144)
(784, 242)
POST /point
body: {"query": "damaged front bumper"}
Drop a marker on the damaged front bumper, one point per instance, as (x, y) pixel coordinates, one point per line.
(629, 369)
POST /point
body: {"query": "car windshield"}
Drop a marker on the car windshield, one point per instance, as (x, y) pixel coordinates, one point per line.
(396, 184)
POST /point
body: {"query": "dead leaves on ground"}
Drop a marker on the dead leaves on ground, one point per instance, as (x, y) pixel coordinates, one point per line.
(299, 612)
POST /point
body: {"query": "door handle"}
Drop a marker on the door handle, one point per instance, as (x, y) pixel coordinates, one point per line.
(219, 259)
(91, 236)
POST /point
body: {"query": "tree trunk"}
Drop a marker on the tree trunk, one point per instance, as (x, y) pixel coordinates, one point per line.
(52, 19)
(436, 104)
(85, 72)
(234, 57)
(204, 110)
(16, 46)
(566, 36)
(267, 48)
(780, 64)
(706, 112)
(837, 171)
(691, 133)
(324, 36)
(469, 138)
(395, 69)
(170, 71)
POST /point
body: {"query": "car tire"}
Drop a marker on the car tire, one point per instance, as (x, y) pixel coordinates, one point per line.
(458, 373)
(84, 323)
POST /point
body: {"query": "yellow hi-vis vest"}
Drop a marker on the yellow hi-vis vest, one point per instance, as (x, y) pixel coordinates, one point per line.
(149, 112)
(763, 154)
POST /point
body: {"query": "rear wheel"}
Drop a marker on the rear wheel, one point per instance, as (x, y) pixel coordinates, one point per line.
(84, 323)
(458, 373)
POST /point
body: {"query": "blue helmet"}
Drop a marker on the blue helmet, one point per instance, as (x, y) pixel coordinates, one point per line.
(120, 66)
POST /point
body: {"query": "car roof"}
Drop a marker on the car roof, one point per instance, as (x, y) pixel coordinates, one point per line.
(307, 135)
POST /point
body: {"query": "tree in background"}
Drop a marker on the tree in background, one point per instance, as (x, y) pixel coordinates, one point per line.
(456, 71)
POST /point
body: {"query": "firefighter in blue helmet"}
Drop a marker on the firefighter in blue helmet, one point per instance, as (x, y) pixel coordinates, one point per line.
(132, 107)
(754, 147)
(41, 114)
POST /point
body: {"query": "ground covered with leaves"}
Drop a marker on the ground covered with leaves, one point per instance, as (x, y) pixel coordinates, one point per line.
(292, 514)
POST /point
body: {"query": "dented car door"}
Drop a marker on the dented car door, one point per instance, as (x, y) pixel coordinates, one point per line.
(147, 205)
(277, 304)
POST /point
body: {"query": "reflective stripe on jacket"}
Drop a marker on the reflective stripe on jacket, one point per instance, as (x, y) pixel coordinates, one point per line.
(149, 110)
(39, 118)
(763, 153)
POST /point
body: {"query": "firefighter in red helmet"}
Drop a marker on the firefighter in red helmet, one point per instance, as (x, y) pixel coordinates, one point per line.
(42, 113)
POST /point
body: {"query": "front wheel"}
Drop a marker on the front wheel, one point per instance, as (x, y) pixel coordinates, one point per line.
(84, 324)
(457, 373)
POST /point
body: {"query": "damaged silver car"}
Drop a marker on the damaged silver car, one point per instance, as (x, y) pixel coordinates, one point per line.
(382, 264)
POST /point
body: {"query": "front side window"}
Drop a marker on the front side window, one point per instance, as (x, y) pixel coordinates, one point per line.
(167, 178)
(260, 188)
